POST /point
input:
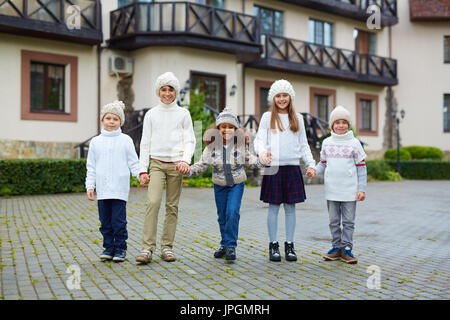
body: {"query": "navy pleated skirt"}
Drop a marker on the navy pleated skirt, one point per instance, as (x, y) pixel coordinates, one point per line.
(286, 186)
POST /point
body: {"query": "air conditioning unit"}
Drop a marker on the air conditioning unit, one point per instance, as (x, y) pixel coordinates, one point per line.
(120, 65)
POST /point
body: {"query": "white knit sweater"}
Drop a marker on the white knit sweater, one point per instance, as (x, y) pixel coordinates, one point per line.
(110, 159)
(287, 147)
(167, 135)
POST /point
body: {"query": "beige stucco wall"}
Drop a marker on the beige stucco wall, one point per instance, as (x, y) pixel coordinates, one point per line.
(13, 128)
(423, 79)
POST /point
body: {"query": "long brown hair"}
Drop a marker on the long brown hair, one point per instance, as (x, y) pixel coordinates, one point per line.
(294, 125)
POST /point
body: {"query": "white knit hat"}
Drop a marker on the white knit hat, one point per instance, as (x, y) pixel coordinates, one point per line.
(227, 116)
(167, 79)
(339, 113)
(280, 86)
(116, 108)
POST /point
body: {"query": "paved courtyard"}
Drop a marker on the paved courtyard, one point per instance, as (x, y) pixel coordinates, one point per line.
(402, 233)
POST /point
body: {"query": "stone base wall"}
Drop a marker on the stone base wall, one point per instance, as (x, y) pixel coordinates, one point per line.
(17, 149)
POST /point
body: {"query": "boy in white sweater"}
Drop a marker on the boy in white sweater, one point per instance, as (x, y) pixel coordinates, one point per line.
(110, 159)
(343, 160)
(168, 143)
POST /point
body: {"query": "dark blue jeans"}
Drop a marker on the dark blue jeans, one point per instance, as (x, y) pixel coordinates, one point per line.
(228, 202)
(113, 219)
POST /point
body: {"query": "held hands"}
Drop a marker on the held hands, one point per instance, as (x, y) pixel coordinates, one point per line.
(90, 194)
(265, 158)
(311, 173)
(182, 168)
(360, 196)
(144, 179)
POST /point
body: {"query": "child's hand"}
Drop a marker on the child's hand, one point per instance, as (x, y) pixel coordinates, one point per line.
(90, 194)
(360, 196)
(311, 173)
(265, 158)
(182, 168)
(144, 179)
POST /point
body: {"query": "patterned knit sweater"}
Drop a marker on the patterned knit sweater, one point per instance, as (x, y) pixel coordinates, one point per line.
(228, 172)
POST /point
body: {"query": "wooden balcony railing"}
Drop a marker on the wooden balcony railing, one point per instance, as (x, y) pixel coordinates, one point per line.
(354, 9)
(184, 23)
(303, 57)
(53, 19)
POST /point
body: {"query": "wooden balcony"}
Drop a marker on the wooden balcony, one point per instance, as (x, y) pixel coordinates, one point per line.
(185, 24)
(301, 57)
(53, 19)
(354, 9)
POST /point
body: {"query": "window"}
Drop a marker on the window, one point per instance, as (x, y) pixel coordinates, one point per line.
(213, 87)
(320, 32)
(446, 112)
(49, 86)
(214, 3)
(447, 49)
(271, 20)
(322, 101)
(365, 42)
(261, 94)
(367, 114)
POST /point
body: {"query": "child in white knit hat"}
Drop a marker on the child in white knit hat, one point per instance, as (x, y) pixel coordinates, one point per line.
(167, 143)
(227, 151)
(281, 140)
(110, 160)
(342, 158)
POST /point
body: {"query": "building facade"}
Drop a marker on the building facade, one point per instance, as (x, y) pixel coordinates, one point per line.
(334, 52)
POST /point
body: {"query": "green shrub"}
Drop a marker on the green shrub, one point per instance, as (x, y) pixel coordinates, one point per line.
(391, 154)
(421, 152)
(42, 176)
(381, 170)
(424, 169)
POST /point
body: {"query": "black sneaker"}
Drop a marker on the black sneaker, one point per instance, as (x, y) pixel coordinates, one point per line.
(289, 251)
(274, 251)
(230, 254)
(220, 253)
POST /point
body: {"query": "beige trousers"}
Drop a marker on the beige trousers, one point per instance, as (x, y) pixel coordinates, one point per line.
(161, 173)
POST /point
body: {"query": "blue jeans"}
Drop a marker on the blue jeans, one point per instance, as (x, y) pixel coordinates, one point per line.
(228, 203)
(113, 219)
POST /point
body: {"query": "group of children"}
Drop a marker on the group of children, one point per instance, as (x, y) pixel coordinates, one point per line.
(166, 149)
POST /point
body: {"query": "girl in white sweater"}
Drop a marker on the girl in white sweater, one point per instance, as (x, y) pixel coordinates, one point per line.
(110, 159)
(281, 139)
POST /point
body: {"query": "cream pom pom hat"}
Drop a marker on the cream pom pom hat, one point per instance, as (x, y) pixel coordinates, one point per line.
(167, 79)
(116, 108)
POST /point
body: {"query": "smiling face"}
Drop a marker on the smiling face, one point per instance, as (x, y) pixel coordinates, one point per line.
(111, 122)
(340, 126)
(167, 94)
(282, 101)
(226, 131)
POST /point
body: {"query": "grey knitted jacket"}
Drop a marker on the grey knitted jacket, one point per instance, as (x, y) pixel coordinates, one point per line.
(237, 159)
